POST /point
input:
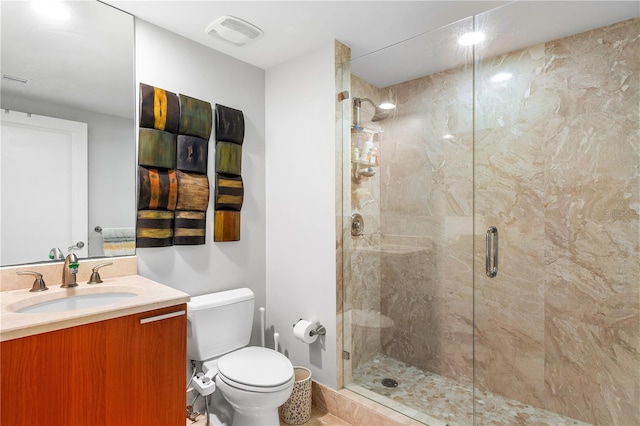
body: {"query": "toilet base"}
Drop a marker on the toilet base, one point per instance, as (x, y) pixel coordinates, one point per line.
(254, 408)
(266, 418)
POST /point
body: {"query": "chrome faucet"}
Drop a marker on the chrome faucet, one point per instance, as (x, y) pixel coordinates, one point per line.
(69, 271)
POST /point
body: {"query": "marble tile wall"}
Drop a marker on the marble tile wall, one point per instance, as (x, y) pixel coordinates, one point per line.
(557, 159)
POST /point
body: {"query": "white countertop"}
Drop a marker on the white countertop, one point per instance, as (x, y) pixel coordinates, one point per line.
(150, 295)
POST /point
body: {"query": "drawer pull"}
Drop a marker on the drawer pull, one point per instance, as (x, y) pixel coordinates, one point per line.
(163, 316)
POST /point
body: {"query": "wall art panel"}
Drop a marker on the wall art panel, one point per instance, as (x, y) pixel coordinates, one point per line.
(190, 228)
(192, 154)
(193, 192)
(229, 124)
(196, 117)
(159, 109)
(228, 158)
(156, 148)
(158, 189)
(226, 226)
(154, 228)
(229, 193)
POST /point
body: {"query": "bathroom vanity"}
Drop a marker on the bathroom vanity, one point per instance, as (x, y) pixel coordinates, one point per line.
(120, 363)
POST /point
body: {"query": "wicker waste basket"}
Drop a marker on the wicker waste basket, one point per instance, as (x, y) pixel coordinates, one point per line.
(297, 409)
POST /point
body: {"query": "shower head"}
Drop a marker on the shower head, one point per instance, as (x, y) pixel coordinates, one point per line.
(380, 114)
(381, 111)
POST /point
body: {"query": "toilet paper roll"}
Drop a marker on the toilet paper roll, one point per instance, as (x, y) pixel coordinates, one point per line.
(302, 331)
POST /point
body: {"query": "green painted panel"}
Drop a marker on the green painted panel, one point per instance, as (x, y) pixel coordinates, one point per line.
(157, 148)
(228, 158)
(196, 117)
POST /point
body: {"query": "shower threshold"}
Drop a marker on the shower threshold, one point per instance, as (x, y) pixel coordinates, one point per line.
(438, 401)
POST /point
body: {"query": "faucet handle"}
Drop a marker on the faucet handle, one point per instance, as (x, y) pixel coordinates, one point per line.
(38, 283)
(95, 276)
(56, 254)
(76, 246)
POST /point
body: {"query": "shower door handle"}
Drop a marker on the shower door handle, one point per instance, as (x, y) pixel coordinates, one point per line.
(492, 251)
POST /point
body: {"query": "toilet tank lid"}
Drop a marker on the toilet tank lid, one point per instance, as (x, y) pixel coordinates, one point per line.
(220, 298)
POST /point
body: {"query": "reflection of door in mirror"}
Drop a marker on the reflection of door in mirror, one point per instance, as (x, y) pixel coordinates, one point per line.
(43, 186)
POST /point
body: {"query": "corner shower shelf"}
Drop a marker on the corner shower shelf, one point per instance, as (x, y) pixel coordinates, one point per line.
(365, 163)
(363, 168)
(366, 129)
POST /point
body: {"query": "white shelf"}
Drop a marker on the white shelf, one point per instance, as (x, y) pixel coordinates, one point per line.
(366, 129)
(365, 163)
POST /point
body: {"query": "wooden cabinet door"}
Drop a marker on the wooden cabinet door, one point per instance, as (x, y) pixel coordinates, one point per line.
(53, 378)
(118, 372)
(150, 388)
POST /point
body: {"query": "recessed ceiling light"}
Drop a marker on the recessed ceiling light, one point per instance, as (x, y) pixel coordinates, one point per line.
(52, 9)
(234, 30)
(469, 39)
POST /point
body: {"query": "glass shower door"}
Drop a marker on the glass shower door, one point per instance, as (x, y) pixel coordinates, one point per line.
(556, 174)
(408, 267)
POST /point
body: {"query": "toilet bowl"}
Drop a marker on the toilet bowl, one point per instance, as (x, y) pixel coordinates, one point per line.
(255, 381)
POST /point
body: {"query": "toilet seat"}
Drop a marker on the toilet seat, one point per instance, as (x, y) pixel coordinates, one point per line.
(256, 369)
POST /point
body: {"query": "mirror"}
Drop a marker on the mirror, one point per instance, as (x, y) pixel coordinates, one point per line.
(75, 63)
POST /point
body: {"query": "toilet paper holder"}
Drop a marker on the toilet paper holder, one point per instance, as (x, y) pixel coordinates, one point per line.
(320, 330)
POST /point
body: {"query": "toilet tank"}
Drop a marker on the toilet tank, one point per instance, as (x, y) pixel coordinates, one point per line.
(219, 323)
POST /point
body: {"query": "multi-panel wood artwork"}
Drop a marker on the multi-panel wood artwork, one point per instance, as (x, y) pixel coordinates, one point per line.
(172, 168)
(173, 189)
(229, 191)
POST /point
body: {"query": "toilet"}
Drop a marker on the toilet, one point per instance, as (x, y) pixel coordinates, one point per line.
(254, 380)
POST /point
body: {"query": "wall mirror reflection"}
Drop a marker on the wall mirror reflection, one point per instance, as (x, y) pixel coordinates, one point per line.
(68, 133)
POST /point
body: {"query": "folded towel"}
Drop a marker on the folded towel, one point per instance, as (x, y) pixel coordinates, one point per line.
(119, 241)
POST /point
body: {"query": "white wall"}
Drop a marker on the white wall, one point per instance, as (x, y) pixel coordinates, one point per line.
(300, 181)
(288, 218)
(173, 63)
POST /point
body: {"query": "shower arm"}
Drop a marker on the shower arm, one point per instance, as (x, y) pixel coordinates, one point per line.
(357, 103)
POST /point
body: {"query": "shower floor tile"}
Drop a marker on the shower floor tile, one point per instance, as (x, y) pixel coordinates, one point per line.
(438, 401)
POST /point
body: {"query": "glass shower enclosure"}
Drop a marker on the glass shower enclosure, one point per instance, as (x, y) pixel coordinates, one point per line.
(491, 275)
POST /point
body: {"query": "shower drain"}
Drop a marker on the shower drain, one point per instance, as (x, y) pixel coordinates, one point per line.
(389, 383)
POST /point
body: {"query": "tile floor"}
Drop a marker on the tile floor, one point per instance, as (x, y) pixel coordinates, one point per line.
(319, 417)
(428, 399)
(438, 401)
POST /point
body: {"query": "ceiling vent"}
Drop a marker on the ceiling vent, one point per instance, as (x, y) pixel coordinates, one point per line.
(234, 30)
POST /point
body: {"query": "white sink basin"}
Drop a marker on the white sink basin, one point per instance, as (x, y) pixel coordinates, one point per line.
(76, 302)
